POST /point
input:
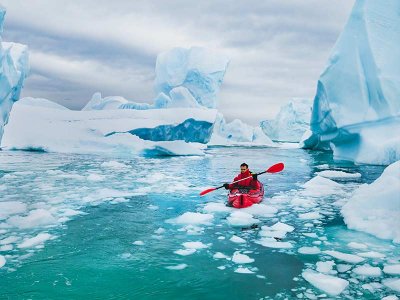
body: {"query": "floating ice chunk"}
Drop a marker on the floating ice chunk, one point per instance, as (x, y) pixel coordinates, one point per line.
(2, 261)
(185, 252)
(242, 270)
(239, 258)
(272, 243)
(357, 245)
(220, 255)
(309, 250)
(310, 216)
(338, 174)
(177, 267)
(6, 248)
(350, 258)
(138, 243)
(320, 186)
(325, 266)
(160, 230)
(392, 283)
(391, 297)
(372, 286)
(367, 270)
(9, 240)
(238, 218)
(343, 268)
(331, 285)
(237, 239)
(215, 207)
(35, 218)
(375, 208)
(261, 210)
(392, 269)
(372, 254)
(265, 232)
(282, 227)
(36, 240)
(310, 234)
(193, 218)
(195, 245)
(192, 229)
(8, 208)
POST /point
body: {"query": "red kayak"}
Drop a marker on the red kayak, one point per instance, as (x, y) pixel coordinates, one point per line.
(240, 198)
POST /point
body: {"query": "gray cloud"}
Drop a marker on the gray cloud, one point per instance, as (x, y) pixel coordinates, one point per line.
(277, 48)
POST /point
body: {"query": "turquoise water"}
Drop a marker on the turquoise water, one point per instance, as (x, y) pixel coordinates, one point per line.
(93, 255)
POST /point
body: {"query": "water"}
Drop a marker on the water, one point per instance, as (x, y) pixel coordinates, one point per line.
(96, 207)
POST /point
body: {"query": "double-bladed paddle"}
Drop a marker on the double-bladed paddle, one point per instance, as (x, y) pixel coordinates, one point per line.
(273, 169)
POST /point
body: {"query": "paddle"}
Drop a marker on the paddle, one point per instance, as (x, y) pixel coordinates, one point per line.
(273, 169)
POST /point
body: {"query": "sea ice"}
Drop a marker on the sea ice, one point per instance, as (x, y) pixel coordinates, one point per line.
(35, 241)
(195, 245)
(331, 285)
(193, 218)
(392, 269)
(350, 258)
(368, 270)
(239, 258)
(309, 250)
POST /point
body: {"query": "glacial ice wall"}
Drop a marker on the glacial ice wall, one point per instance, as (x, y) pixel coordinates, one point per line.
(291, 122)
(14, 68)
(357, 105)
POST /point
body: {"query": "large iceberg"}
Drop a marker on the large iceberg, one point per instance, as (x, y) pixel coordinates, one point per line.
(14, 68)
(356, 109)
(291, 122)
(184, 78)
(375, 208)
(53, 128)
(237, 133)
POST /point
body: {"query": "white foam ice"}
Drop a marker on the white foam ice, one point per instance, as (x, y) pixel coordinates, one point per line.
(35, 241)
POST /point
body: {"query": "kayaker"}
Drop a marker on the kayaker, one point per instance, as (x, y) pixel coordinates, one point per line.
(249, 183)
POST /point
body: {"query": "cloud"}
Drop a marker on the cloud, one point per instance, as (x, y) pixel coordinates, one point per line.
(277, 48)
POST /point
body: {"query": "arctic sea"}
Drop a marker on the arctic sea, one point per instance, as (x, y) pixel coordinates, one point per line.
(98, 227)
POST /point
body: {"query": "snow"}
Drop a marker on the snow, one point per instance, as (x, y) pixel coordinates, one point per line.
(291, 122)
(198, 70)
(331, 285)
(356, 108)
(392, 269)
(40, 102)
(193, 219)
(35, 241)
(375, 208)
(239, 258)
(350, 258)
(14, 68)
(368, 270)
(237, 133)
(179, 131)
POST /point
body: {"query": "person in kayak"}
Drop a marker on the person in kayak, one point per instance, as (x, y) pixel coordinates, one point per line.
(249, 183)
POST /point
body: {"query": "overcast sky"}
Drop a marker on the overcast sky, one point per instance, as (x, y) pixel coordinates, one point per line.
(277, 48)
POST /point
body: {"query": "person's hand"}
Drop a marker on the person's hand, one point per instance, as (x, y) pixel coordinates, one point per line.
(226, 186)
(254, 176)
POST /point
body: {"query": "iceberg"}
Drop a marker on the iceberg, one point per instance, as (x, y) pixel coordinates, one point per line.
(197, 70)
(14, 68)
(291, 122)
(356, 108)
(375, 208)
(237, 133)
(53, 128)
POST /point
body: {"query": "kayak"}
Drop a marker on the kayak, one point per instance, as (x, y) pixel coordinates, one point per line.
(243, 197)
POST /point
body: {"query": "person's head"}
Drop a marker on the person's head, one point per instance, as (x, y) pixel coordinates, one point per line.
(243, 168)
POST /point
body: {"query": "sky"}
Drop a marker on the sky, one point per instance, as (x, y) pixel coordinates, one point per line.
(277, 49)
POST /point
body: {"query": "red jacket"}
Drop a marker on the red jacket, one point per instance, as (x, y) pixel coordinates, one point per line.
(249, 182)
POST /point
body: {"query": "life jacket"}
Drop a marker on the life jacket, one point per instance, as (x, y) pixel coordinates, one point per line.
(249, 182)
